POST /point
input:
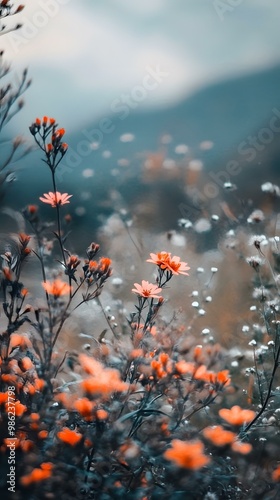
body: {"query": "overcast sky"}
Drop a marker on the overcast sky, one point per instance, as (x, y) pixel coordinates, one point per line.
(84, 55)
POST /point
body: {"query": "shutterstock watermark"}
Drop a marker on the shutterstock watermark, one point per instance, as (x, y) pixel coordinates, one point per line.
(119, 110)
(249, 149)
(31, 26)
(223, 7)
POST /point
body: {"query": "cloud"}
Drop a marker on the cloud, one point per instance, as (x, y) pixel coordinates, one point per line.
(83, 57)
(143, 7)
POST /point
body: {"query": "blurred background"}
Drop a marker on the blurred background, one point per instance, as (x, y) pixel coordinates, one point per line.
(163, 104)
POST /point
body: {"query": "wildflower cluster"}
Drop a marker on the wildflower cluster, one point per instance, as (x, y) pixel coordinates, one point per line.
(49, 139)
(167, 266)
(142, 410)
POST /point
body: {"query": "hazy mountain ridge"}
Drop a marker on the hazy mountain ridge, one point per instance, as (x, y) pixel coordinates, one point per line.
(226, 114)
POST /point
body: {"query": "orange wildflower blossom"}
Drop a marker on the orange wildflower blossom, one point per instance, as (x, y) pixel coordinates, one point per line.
(38, 474)
(162, 366)
(147, 290)
(3, 397)
(55, 199)
(182, 367)
(19, 408)
(44, 130)
(69, 436)
(43, 434)
(276, 474)
(24, 240)
(47, 121)
(168, 263)
(219, 380)
(104, 264)
(103, 380)
(85, 407)
(237, 415)
(177, 267)
(188, 455)
(221, 437)
(57, 288)
(160, 259)
(92, 267)
(218, 435)
(20, 341)
(26, 364)
(243, 448)
(102, 414)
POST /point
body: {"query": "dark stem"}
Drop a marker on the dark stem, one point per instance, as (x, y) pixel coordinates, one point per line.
(276, 363)
(58, 220)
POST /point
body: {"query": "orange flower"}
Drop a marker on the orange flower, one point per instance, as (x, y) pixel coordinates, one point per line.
(104, 264)
(43, 434)
(32, 209)
(39, 384)
(218, 435)
(188, 455)
(38, 475)
(160, 259)
(56, 288)
(26, 364)
(243, 448)
(70, 437)
(236, 415)
(221, 378)
(162, 366)
(3, 397)
(34, 416)
(47, 466)
(183, 367)
(177, 267)
(166, 262)
(10, 379)
(19, 408)
(276, 474)
(158, 369)
(60, 132)
(147, 290)
(102, 414)
(103, 380)
(45, 121)
(201, 373)
(85, 407)
(56, 199)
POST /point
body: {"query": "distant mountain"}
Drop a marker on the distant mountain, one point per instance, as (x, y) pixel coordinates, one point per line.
(227, 114)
